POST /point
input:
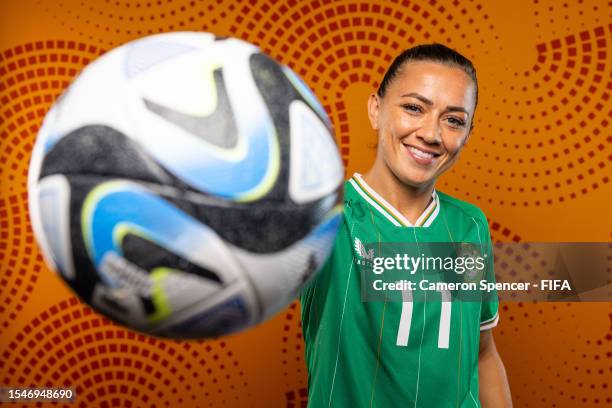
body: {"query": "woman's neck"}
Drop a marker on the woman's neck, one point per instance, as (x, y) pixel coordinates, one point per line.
(410, 201)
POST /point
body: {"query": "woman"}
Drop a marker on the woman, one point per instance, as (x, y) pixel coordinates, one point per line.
(388, 354)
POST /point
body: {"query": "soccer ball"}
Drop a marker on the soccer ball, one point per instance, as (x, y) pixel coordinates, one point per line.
(186, 185)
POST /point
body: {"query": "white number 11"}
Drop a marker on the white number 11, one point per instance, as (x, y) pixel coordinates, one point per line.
(403, 331)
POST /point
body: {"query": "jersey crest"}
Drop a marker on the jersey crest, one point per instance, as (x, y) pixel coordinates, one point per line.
(361, 252)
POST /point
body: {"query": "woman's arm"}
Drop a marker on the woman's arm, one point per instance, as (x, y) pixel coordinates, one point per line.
(494, 388)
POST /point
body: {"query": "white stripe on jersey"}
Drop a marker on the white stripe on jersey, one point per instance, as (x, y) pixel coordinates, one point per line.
(373, 203)
(490, 323)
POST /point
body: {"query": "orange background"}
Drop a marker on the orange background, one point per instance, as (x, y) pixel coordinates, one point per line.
(538, 164)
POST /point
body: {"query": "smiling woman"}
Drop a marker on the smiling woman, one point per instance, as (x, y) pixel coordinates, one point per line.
(437, 353)
(423, 113)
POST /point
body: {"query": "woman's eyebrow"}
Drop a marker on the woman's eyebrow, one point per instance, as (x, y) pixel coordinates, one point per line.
(428, 102)
(456, 109)
(419, 97)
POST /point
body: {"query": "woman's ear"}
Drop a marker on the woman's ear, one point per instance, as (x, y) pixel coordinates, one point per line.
(373, 110)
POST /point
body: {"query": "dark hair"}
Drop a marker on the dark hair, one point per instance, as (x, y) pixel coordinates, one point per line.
(428, 52)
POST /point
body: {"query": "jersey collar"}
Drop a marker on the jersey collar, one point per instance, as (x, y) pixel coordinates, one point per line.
(390, 212)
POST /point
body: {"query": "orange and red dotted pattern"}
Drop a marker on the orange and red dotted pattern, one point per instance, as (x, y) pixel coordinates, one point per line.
(70, 345)
(538, 164)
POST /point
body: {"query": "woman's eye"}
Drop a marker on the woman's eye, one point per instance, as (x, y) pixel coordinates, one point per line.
(456, 122)
(412, 108)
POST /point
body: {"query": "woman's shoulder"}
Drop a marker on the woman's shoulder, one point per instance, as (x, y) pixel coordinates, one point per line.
(465, 208)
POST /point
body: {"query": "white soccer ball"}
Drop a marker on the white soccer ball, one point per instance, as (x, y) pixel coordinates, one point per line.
(186, 185)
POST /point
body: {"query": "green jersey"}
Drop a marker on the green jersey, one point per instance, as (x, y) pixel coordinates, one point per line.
(392, 354)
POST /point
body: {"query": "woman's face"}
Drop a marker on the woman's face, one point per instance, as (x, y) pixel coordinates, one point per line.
(423, 120)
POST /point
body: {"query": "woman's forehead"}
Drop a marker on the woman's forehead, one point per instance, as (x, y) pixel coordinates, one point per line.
(436, 80)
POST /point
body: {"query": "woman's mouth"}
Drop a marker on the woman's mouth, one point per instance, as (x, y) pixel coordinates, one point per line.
(423, 157)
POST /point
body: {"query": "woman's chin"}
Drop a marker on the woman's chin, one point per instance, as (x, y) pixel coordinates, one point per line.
(417, 179)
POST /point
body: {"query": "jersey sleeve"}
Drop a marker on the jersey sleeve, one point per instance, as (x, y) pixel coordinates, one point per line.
(314, 295)
(489, 312)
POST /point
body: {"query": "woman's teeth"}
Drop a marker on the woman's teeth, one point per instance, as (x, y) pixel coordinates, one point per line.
(420, 153)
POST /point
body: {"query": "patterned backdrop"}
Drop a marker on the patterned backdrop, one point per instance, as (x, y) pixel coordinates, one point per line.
(538, 164)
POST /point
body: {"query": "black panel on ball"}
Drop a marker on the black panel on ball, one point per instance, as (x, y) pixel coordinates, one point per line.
(277, 93)
(102, 151)
(148, 255)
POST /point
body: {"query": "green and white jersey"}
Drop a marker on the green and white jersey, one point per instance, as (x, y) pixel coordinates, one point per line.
(392, 354)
